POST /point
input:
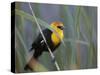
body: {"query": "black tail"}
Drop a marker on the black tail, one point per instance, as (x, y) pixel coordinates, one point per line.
(27, 67)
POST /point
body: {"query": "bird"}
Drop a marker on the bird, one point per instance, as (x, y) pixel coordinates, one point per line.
(53, 39)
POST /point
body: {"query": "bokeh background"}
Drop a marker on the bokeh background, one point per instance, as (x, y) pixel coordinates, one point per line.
(80, 35)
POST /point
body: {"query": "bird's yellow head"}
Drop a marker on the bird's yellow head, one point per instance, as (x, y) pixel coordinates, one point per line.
(57, 35)
(57, 25)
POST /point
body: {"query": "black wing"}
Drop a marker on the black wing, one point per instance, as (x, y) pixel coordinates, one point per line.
(39, 40)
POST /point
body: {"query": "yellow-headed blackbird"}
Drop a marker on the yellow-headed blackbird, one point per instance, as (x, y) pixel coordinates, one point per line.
(53, 39)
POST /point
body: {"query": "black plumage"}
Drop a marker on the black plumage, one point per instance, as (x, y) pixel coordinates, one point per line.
(39, 44)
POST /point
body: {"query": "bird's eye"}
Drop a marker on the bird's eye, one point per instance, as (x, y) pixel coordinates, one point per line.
(60, 27)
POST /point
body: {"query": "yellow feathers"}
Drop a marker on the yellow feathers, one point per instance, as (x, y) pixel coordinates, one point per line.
(57, 35)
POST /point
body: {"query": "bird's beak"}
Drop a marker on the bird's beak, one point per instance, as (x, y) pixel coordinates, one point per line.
(62, 27)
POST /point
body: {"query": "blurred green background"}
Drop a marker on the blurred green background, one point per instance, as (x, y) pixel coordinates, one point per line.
(80, 35)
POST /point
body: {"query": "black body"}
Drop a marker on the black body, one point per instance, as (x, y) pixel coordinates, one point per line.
(39, 44)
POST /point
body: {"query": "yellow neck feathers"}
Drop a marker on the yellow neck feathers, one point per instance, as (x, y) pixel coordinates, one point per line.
(57, 34)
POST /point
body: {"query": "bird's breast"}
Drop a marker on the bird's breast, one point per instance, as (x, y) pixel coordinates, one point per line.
(57, 37)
